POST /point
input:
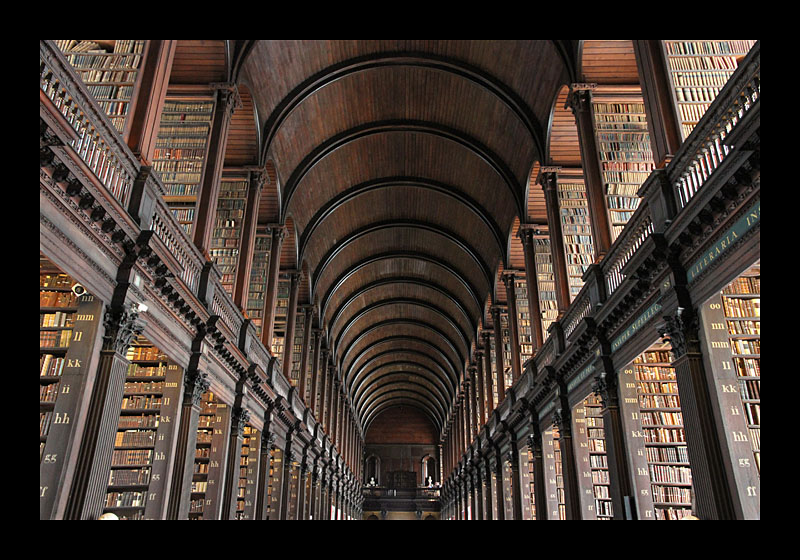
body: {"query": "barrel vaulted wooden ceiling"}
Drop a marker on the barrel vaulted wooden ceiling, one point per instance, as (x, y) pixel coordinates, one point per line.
(402, 170)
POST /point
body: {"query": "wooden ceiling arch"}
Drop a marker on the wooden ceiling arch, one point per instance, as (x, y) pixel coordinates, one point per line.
(407, 168)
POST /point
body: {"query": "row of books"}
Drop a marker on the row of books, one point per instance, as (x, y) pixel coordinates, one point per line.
(730, 47)
(129, 477)
(55, 281)
(660, 418)
(48, 393)
(57, 299)
(664, 435)
(747, 367)
(144, 387)
(657, 386)
(672, 454)
(137, 402)
(55, 339)
(128, 457)
(746, 346)
(145, 353)
(139, 421)
(664, 473)
(50, 365)
(129, 498)
(138, 370)
(135, 438)
(744, 285)
(736, 307)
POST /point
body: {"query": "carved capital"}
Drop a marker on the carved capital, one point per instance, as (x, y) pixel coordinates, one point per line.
(579, 98)
(680, 331)
(195, 383)
(241, 416)
(605, 386)
(121, 326)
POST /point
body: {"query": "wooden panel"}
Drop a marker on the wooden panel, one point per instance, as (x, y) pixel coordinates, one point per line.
(564, 145)
(402, 425)
(242, 146)
(516, 256)
(289, 247)
(199, 62)
(609, 62)
(537, 211)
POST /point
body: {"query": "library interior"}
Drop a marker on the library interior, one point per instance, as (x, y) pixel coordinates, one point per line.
(399, 280)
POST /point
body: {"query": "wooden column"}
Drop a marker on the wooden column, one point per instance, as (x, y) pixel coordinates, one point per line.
(481, 386)
(227, 101)
(264, 463)
(487, 368)
(548, 178)
(497, 478)
(291, 319)
(333, 384)
(323, 383)
(468, 424)
(580, 101)
(480, 516)
(267, 326)
(308, 312)
(239, 418)
(712, 497)
(86, 496)
(498, 354)
(563, 419)
(662, 118)
(516, 487)
(144, 112)
(511, 296)
(288, 459)
(195, 383)
(242, 285)
(486, 475)
(622, 488)
(526, 233)
(539, 491)
(301, 490)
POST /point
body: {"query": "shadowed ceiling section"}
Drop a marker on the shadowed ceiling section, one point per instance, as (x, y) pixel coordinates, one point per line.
(404, 168)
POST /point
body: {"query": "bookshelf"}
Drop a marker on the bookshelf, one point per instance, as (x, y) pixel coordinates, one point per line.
(698, 70)
(248, 474)
(258, 278)
(493, 352)
(226, 239)
(505, 331)
(576, 229)
(274, 483)
(624, 151)
(526, 483)
(741, 301)
(598, 460)
(109, 69)
(664, 440)
(297, 349)
(142, 442)
(281, 316)
(731, 335)
(524, 330)
(209, 459)
(546, 283)
(180, 153)
(554, 478)
(68, 327)
(531, 477)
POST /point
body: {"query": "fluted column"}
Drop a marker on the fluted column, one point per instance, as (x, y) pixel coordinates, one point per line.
(308, 313)
(315, 369)
(480, 385)
(242, 285)
(563, 419)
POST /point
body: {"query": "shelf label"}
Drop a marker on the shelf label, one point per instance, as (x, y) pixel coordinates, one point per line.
(635, 326)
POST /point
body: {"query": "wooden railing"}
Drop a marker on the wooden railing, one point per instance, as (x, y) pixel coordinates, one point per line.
(98, 143)
(705, 149)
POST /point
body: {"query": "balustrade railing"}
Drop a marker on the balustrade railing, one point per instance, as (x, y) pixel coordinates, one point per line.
(705, 149)
(98, 143)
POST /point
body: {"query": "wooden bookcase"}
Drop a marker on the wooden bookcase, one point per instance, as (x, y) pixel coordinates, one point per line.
(258, 278)
(209, 460)
(274, 484)
(742, 305)
(297, 349)
(180, 153)
(226, 239)
(109, 69)
(493, 353)
(248, 474)
(554, 478)
(624, 151)
(142, 444)
(576, 229)
(281, 316)
(505, 330)
(524, 330)
(546, 282)
(662, 435)
(531, 477)
(599, 483)
(68, 327)
(698, 70)
(732, 338)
